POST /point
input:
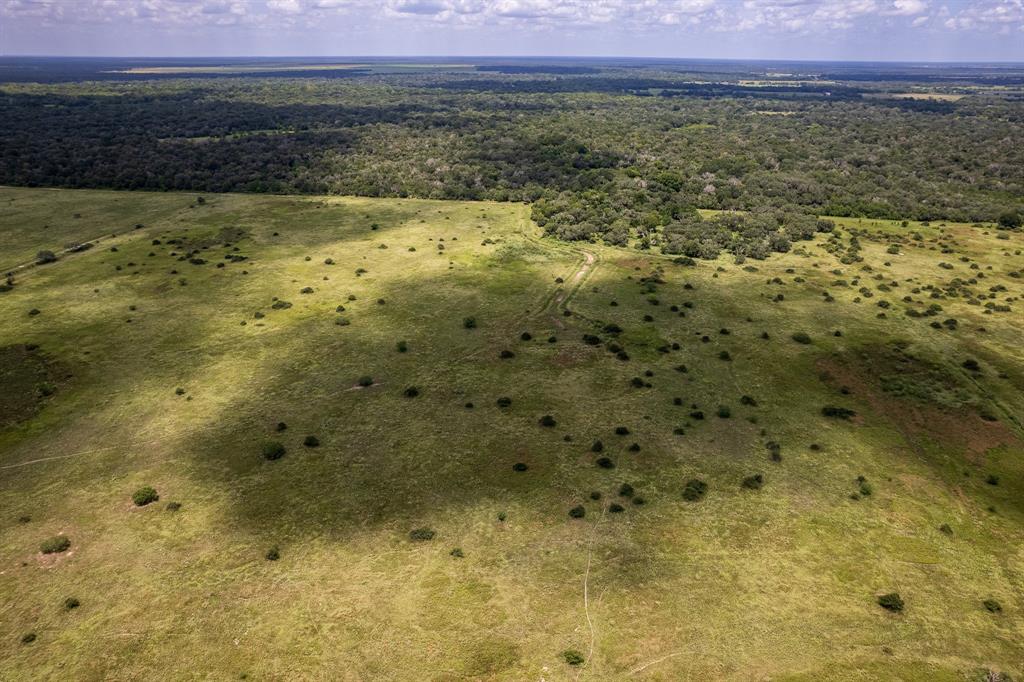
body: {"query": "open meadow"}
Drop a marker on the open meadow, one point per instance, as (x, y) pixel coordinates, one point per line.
(409, 439)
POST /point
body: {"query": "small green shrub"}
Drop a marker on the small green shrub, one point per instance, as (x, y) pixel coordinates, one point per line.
(616, 508)
(573, 657)
(626, 490)
(753, 482)
(548, 420)
(421, 534)
(621, 431)
(577, 512)
(469, 323)
(694, 490)
(273, 449)
(504, 402)
(145, 495)
(55, 545)
(71, 603)
(411, 392)
(28, 638)
(992, 606)
(173, 506)
(801, 337)
(891, 602)
(946, 529)
(311, 441)
(273, 554)
(837, 412)
(724, 412)
(365, 381)
(598, 446)
(457, 553)
(402, 346)
(605, 463)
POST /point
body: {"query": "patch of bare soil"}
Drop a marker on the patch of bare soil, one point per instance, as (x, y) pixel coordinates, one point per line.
(916, 398)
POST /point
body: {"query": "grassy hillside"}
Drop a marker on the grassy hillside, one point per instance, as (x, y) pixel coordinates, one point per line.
(156, 367)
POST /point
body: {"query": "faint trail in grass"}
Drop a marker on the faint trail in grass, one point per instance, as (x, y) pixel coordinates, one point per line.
(586, 595)
(634, 671)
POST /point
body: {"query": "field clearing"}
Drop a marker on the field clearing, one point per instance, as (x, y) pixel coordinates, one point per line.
(777, 582)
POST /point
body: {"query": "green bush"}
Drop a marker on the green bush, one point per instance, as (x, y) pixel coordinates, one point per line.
(411, 392)
(402, 346)
(694, 490)
(55, 545)
(753, 482)
(421, 534)
(469, 323)
(837, 412)
(626, 490)
(28, 638)
(273, 449)
(173, 506)
(519, 466)
(273, 554)
(724, 412)
(801, 337)
(365, 381)
(71, 603)
(311, 442)
(616, 508)
(457, 553)
(891, 602)
(548, 420)
(573, 657)
(145, 495)
(992, 606)
(605, 463)
(577, 512)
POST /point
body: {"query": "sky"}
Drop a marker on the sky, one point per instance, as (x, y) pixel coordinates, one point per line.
(861, 30)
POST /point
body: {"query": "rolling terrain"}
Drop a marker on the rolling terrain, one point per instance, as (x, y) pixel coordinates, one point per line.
(412, 439)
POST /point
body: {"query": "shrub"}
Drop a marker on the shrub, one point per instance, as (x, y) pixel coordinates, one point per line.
(145, 495)
(365, 381)
(636, 382)
(504, 402)
(634, 447)
(173, 506)
(273, 554)
(724, 355)
(457, 553)
(577, 512)
(411, 392)
(469, 323)
(525, 336)
(401, 346)
(992, 606)
(626, 490)
(281, 426)
(616, 508)
(747, 400)
(801, 337)
(421, 534)
(44, 257)
(724, 412)
(598, 446)
(697, 414)
(891, 602)
(694, 490)
(71, 603)
(573, 657)
(311, 442)
(519, 466)
(548, 420)
(621, 431)
(992, 479)
(506, 355)
(753, 482)
(837, 412)
(946, 528)
(591, 340)
(971, 365)
(638, 500)
(28, 638)
(55, 545)
(273, 450)
(605, 463)
(595, 495)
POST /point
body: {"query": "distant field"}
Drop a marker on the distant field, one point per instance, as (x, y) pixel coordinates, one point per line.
(918, 490)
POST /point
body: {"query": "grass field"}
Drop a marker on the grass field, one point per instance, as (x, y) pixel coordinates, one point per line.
(153, 370)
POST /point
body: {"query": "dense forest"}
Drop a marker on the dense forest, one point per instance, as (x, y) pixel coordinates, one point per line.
(610, 153)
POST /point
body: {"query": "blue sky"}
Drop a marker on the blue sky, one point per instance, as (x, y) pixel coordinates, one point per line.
(926, 30)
